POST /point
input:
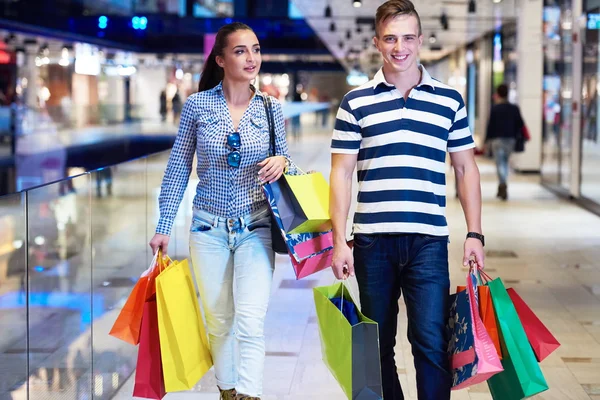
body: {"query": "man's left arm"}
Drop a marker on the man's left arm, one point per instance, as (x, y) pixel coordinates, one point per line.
(466, 174)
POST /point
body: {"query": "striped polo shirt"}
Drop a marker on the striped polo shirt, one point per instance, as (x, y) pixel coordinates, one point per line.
(401, 147)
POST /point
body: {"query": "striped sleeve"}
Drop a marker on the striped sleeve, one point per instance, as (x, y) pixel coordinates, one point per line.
(346, 133)
(460, 138)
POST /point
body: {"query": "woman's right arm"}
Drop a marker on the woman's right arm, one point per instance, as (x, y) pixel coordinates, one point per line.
(177, 175)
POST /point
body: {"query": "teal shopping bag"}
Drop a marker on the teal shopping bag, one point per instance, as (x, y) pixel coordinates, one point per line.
(522, 376)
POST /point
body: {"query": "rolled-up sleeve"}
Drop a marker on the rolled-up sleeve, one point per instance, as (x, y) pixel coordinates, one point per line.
(460, 137)
(178, 169)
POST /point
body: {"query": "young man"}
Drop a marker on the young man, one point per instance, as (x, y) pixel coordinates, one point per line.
(397, 129)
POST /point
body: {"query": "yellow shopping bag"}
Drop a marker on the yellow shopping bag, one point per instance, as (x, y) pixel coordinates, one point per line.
(184, 345)
(311, 194)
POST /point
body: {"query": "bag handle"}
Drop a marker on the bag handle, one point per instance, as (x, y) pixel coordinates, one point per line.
(271, 122)
(269, 112)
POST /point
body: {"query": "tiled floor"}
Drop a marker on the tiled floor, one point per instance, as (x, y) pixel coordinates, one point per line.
(544, 247)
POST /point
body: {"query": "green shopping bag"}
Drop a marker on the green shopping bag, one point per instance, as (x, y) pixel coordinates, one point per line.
(350, 352)
(522, 376)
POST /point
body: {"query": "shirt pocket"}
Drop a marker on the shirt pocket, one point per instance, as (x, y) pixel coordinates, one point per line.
(210, 130)
(258, 133)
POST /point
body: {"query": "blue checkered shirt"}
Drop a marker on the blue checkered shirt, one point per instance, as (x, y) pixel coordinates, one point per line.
(223, 190)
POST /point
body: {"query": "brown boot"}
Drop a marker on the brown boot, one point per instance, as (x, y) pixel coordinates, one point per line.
(228, 394)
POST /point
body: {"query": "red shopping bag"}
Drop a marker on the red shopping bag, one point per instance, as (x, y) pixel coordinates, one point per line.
(149, 381)
(540, 338)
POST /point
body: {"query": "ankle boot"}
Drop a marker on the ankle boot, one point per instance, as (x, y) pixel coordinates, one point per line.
(503, 191)
(244, 397)
(228, 394)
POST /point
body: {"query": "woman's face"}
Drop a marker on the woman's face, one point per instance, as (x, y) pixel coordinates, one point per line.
(241, 57)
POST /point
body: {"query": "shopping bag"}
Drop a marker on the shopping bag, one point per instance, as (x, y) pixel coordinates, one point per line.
(351, 352)
(128, 323)
(299, 245)
(183, 341)
(540, 338)
(486, 312)
(309, 252)
(522, 376)
(149, 382)
(473, 357)
(303, 202)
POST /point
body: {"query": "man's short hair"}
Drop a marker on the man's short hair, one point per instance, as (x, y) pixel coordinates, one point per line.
(502, 91)
(394, 8)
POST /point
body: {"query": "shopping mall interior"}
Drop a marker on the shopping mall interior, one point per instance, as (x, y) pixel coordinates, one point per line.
(91, 99)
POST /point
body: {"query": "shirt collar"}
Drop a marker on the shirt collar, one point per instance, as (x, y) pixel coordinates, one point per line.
(426, 79)
(219, 89)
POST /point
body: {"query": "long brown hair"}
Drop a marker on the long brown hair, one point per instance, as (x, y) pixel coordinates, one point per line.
(212, 73)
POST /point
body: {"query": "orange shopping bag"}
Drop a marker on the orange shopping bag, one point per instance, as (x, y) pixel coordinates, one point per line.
(129, 322)
(488, 316)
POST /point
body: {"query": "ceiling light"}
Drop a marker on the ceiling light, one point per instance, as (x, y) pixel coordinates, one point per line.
(357, 3)
(332, 27)
(328, 11)
(497, 1)
(432, 38)
(472, 6)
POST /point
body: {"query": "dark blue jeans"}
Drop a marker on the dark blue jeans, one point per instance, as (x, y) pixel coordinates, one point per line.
(417, 265)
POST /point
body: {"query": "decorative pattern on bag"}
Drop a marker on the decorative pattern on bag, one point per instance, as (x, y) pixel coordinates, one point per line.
(462, 340)
(294, 239)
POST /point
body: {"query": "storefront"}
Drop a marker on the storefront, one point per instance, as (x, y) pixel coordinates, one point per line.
(590, 147)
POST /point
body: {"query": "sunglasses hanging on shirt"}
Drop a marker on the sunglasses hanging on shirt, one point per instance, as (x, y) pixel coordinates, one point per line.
(234, 159)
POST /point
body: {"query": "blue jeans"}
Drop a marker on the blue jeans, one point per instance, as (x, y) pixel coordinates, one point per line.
(502, 148)
(228, 251)
(387, 265)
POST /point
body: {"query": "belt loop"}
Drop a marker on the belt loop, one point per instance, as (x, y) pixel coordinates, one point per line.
(215, 221)
(242, 223)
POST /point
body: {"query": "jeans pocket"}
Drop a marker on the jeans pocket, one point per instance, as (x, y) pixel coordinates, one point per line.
(199, 225)
(261, 223)
(365, 241)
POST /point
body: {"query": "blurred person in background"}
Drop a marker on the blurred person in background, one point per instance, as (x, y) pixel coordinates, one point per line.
(504, 127)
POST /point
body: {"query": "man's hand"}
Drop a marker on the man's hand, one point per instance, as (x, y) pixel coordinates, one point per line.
(343, 261)
(474, 249)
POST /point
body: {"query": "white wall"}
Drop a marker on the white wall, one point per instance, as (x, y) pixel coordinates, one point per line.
(529, 80)
(147, 83)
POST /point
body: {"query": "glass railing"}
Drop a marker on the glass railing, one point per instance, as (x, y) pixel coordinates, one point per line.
(70, 253)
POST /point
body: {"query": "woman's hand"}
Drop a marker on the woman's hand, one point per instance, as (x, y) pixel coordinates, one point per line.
(271, 169)
(159, 242)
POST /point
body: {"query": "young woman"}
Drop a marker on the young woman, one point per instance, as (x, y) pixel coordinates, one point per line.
(226, 125)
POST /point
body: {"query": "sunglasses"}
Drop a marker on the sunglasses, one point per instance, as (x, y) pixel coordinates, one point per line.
(234, 159)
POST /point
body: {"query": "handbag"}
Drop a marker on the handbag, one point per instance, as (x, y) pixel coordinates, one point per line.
(277, 240)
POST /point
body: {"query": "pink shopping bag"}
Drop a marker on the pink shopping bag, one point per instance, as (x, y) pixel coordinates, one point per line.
(477, 363)
(314, 264)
